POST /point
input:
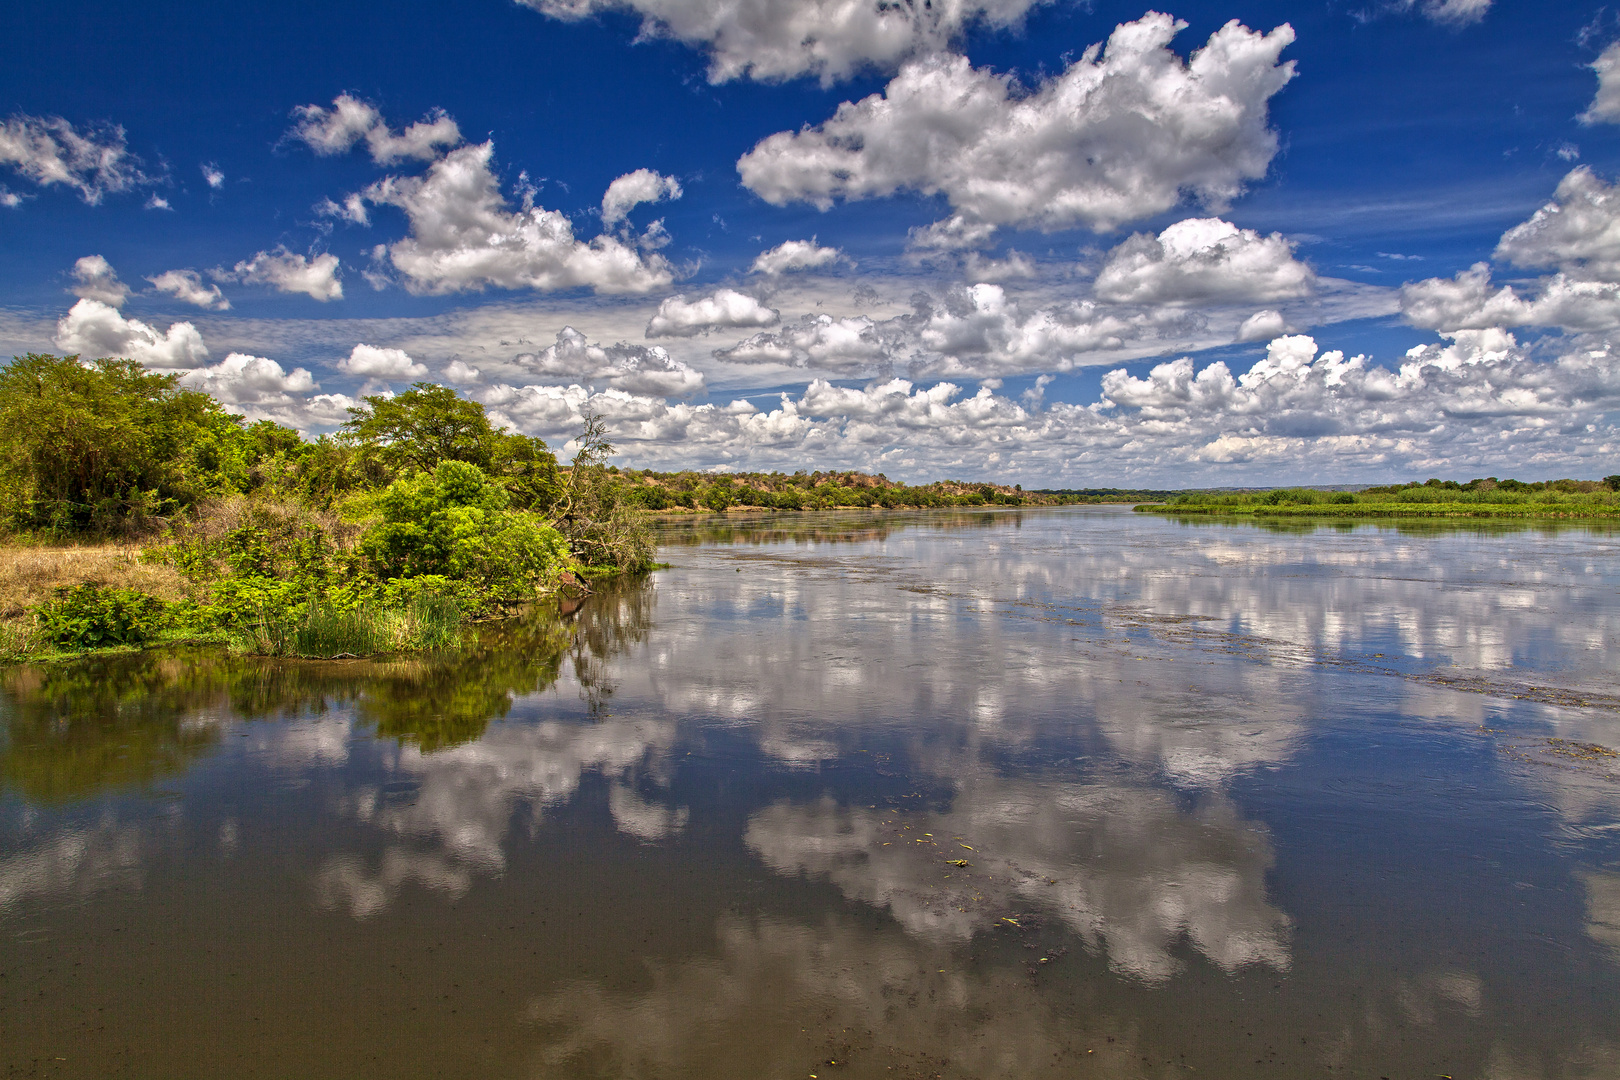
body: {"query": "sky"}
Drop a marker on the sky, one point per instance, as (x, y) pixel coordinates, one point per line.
(1061, 243)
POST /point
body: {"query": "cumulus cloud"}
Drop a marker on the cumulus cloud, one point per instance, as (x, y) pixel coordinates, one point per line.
(288, 272)
(95, 162)
(771, 40)
(188, 285)
(794, 255)
(95, 279)
(723, 308)
(976, 331)
(212, 176)
(463, 236)
(1204, 260)
(349, 121)
(254, 383)
(630, 369)
(1605, 107)
(1122, 134)
(1578, 232)
(848, 345)
(384, 364)
(633, 189)
(93, 329)
(1300, 411)
(1577, 235)
(1263, 326)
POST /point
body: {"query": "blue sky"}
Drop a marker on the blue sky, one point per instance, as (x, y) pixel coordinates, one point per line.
(1323, 242)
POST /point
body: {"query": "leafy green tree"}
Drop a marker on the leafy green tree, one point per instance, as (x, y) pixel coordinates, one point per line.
(106, 445)
(429, 424)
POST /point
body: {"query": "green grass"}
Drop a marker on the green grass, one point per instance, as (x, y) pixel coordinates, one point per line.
(426, 623)
(1555, 499)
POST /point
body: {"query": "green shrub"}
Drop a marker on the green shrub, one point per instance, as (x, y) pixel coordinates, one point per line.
(92, 617)
(454, 523)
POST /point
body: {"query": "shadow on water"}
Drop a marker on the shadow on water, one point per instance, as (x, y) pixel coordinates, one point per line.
(76, 730)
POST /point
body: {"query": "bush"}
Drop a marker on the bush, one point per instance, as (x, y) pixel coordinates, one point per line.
(92, 617)
(455, 524)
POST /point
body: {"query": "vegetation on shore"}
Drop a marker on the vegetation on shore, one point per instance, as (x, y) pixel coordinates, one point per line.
(1487, 497)
(693, 491)
(419, 516)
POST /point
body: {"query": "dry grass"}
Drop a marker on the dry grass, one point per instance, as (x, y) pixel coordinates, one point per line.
(28, 574)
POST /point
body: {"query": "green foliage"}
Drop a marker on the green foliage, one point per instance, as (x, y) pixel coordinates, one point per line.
(456, 524)
(1487, 497)
(320, 628)
(108, 447)
(92, 617)
(427, 425)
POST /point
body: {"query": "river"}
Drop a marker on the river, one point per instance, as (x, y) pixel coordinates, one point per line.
(1020, 793)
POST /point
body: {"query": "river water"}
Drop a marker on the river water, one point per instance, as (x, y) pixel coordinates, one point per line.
(1077, 793)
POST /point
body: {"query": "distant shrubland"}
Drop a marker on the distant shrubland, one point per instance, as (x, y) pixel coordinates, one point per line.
(1487, 497)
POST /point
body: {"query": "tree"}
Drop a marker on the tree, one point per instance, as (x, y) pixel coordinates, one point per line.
(429, 424)
(103, 446)
(602, 527)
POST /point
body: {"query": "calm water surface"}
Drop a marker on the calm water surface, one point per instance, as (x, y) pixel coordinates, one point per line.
(1019, 794)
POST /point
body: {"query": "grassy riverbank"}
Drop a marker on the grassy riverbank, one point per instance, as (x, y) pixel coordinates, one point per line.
(135, 512)
(1488, 498)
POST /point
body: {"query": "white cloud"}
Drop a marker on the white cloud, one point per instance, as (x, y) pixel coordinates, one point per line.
(794, 255)
(771, 40)
(1204, 260)
(1121, 135)
(93, 329)
(49, 150)
(188, 285)
(977, 331)
(212, 176)
(253, 382)
(464, 237)
(848, 345)
(157, 202)
(1480, 401)
(1014, 265)
(350, 120)
(288, 272)
(1448, 12)
(723, 308)
(634, 188)
(1263, 326)
(633, 369)
(385, 364)
(95, 279)
(352, 209)
(1605, 107)
(1578, 232)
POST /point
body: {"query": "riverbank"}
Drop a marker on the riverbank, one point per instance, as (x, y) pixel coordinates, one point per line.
(1383, 510)
(1488, 498)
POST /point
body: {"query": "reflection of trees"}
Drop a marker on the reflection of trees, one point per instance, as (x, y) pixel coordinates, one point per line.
(75, 729)
(617, 615)
(821, 526)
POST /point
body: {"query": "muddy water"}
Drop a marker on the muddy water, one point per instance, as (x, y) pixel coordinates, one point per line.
(1021, 794)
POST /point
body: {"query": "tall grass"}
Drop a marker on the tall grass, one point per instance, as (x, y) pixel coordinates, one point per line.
(425, 623)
